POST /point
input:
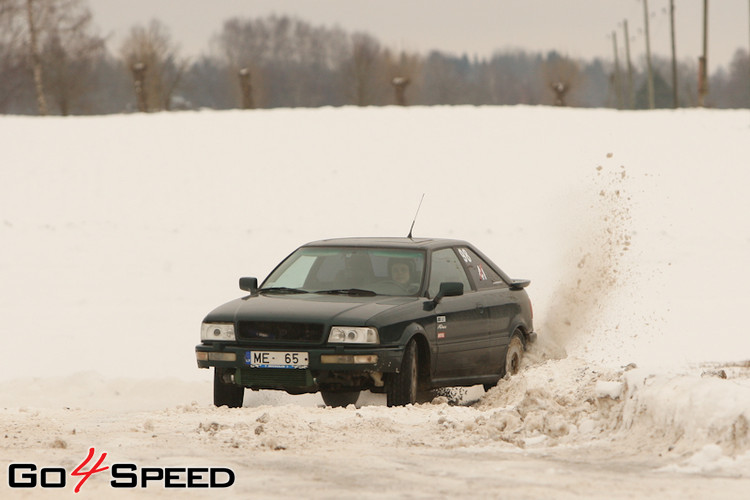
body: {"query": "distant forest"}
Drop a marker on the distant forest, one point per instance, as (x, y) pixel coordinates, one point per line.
(53, 62)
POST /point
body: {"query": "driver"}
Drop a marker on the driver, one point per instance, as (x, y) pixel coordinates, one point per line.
(400, 271)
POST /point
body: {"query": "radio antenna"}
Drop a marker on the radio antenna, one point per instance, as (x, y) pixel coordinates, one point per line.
(415, 217)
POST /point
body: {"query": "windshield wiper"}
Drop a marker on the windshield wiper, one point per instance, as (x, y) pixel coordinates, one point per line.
(349, 291)
(282, 289)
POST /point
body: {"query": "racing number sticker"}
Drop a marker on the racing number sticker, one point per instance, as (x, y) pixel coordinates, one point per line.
(464, 255)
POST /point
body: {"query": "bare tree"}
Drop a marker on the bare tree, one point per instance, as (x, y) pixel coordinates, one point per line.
(444, 80)
(60, 49)
(243, 44)
(562, 75)
(13, 76)
(70, 52)
(403, 71)
(399, 87)
(36, 16)
(148, 52)
(365, 70)
(730, 86)
(292, 63)
(513, 78)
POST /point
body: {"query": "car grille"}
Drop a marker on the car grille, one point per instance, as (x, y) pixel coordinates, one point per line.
(274, 378)
(272, 331)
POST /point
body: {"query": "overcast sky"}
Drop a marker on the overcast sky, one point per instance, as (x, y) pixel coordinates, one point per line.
(578, 28)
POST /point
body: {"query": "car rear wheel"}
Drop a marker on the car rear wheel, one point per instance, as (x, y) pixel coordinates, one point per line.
(401, 387)
(514, 355)
(226, 394)
(337, 399)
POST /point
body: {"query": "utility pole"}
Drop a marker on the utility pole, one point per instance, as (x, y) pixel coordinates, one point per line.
(675, 97)
(617, 78)
(648, 58)
(703, 60)
(36, 60)
(631, 87)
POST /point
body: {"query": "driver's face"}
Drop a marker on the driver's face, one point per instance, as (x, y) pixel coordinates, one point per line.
(400, 273)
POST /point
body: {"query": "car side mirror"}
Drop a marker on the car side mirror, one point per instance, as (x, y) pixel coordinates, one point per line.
(447, 289)
(249, 284)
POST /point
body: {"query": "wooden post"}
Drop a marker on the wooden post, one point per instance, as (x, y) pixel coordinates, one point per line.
(246, 88)
(399, 87)
(139, 79)
(675, 96)
(648, 58)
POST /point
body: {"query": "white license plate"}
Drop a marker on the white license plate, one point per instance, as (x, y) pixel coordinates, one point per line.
(274, 359)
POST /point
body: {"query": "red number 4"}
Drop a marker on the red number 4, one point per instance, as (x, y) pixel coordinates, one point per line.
(87, 474)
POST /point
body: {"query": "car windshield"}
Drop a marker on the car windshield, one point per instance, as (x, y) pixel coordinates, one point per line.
(349, 271)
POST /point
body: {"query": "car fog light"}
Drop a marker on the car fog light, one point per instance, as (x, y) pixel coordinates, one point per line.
(201, 356)
(348, 359)
(369, 359)
(222, 356)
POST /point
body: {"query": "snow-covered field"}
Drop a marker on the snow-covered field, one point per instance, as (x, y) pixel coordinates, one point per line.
(119, 233)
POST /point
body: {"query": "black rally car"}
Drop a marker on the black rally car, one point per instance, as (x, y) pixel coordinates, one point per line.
(394, 315)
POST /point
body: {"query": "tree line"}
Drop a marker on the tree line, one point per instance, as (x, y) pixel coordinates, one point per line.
(52, 61)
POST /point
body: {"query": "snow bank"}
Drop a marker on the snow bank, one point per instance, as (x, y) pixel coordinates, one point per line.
(571, 401)
(688, 411)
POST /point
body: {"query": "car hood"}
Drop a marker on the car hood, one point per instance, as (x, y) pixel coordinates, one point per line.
(308, 308)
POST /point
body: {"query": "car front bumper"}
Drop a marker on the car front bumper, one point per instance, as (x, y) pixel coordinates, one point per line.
(338, 358)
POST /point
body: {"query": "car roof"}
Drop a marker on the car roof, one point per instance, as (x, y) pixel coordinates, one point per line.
(415, 243)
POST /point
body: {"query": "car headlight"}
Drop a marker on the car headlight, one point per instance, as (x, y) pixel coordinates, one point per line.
(353, 335)
(217, 331)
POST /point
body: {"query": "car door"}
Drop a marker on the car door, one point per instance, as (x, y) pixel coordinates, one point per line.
(499, 302)
(461, 322)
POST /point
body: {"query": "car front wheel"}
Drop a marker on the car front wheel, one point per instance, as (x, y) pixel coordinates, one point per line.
(226, 394)
(401, 387)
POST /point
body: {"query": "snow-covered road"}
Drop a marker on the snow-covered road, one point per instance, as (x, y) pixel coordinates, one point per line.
(523, 439)
(120, 233)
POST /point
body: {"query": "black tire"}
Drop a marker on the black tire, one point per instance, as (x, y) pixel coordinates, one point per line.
(340, 399)
(514, 355)
(225, 394)
(401, 388)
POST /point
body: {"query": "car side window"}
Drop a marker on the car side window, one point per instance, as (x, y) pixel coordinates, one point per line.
(446, 267)
(481, 273)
